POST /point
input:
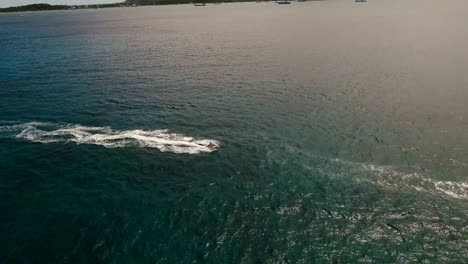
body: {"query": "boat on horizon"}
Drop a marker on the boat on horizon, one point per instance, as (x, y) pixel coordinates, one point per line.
(199, 4)
(283, 2)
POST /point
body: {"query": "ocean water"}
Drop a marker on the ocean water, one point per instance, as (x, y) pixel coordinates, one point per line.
(319, 132)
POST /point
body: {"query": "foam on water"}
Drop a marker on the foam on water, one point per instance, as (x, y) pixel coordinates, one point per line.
(107, 137)
(457, 190)
(390, 177)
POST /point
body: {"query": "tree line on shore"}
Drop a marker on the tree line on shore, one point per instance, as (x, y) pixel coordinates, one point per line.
(127, 3)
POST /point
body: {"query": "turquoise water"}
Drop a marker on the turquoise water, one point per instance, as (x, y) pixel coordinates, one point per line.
(320, 132)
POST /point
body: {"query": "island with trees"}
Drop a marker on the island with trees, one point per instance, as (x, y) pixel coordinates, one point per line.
(127, 3)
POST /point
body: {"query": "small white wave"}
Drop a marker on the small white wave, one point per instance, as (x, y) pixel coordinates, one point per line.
(459, 163)
(457, 190)
(107, 137)
(389, 177)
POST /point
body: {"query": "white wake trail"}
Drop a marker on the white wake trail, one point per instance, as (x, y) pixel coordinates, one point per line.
(391, 178)
(107, 137)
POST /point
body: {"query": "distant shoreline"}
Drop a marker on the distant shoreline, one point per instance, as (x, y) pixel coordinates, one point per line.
(48, 7)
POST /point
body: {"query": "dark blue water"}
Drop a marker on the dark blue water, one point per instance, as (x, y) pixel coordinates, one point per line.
(321, 132)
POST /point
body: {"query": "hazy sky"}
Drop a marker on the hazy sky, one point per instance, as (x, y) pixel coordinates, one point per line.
(7, 3)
